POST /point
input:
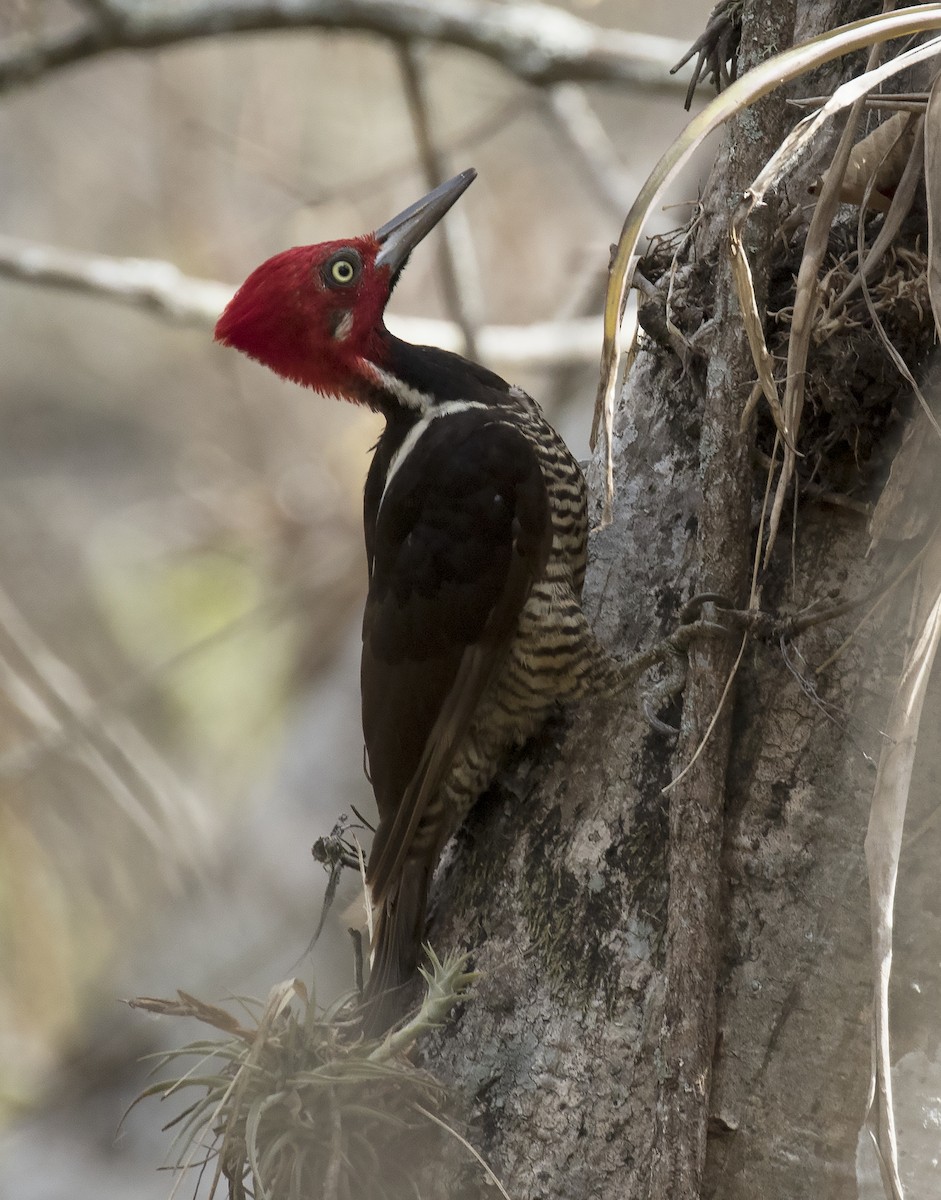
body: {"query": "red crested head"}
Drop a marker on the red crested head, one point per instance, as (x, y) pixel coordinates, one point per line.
(309, 313)
(313, 314)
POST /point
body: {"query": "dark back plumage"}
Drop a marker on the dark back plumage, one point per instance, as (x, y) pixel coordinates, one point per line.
(475, 532)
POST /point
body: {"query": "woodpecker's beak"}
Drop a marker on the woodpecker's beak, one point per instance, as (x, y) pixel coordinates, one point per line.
(399, 237)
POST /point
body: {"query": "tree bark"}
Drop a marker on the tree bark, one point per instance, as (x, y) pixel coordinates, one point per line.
(675, 989)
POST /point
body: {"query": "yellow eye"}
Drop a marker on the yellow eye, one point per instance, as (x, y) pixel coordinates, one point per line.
(342, 271)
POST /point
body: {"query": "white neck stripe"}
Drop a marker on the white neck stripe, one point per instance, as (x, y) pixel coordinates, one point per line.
(450, 409)
(407, 396)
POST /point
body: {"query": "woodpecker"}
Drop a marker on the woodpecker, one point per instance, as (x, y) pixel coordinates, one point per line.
(476, 530)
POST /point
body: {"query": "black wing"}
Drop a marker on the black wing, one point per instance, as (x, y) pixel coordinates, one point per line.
(461, 533)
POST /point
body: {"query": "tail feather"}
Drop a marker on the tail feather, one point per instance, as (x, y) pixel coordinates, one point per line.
(397, 937)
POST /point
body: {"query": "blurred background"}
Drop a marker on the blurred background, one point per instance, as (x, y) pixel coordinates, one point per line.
(181, 563)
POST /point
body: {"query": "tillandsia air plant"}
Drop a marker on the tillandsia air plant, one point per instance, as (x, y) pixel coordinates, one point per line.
(294, 1103)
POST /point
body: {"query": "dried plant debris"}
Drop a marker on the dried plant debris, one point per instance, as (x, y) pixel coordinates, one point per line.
(293, 1103)
(877, 162)
(716, 49)
(856, 403)
(854, 397)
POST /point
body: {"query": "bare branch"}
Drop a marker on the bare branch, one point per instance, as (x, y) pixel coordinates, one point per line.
(164, 290)
(102, 10)
(450, 249)
(538, 43)
(582, 128)
(143, 282)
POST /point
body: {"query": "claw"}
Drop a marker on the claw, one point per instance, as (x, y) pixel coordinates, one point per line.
(693, 607)
(668, 689)
(679, 640)
(654, 721)
(672, 651)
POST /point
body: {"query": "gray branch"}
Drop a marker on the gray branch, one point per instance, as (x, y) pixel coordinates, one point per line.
(454, 244)
(163, 289)
(538, 43)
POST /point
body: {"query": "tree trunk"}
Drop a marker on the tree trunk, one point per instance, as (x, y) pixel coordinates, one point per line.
(675, 988)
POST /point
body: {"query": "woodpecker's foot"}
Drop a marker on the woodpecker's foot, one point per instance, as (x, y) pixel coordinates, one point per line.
(672, 654)
(664, 693)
